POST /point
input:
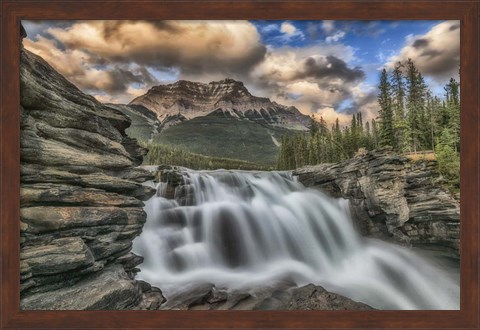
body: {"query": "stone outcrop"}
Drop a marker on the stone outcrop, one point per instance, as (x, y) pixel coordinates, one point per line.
(81, 198)
(392, 197)
(280, 295)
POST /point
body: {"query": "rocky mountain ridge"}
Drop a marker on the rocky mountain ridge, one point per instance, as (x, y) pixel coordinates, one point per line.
(184, 100)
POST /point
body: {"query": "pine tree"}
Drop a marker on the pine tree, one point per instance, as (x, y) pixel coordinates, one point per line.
(416, 119)
(452, 103)
(430, 114)
(387, 136)
(354, 134)
(425, 124)
(374, 134)
(448, 160)
(360, 132)
(322, 127)
(314, 126)
(368, 137)
(398, 91)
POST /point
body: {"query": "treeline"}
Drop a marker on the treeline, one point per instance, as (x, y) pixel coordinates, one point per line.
(159, 154)
(411, 119)
(324, 145)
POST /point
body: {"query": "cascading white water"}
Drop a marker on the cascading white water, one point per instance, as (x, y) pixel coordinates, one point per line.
(238, 229)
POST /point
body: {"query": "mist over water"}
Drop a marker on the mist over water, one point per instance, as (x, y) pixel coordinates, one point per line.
(240, 229)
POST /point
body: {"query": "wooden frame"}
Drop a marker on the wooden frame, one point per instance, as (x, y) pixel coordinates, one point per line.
(12, 11)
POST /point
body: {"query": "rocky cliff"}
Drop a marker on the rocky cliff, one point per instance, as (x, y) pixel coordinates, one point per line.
(185, 100)
(81, 198)
(392, 197)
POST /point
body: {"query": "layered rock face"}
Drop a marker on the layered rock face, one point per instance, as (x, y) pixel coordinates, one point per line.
(81, 198)
(392, 197)
(185, 100)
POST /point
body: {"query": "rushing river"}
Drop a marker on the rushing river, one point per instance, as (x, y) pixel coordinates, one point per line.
(238, 229)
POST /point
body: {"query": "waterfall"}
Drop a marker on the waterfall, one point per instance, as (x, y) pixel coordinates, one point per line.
(236, 229)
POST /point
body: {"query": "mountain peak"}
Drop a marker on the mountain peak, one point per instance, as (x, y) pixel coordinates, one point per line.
(193, 99)
(224, 86)
(227, 81)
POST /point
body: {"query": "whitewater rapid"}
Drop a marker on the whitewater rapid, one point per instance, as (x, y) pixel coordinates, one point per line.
(240, 229)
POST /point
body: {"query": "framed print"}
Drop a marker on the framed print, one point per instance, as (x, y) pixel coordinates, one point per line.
(247, 164)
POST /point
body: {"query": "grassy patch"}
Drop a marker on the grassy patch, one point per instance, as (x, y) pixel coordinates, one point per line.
(421, 155)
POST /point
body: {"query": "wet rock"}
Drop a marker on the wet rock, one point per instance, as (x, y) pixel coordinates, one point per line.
(108, 289)
(280, 295)
(313, 297)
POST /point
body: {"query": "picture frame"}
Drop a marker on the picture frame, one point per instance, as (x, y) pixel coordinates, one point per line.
(12, 12)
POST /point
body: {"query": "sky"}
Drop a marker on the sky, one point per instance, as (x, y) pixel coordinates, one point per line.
(324, 68)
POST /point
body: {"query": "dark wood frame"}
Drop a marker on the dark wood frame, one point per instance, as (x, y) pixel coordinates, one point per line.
(12, 11)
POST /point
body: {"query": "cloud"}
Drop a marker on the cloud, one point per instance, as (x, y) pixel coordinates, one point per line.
(195, 46)
(328, 26)
(289, 33)
(332, 33)
(338, 35)
(321, 64)
(119, 60)
(288, 28)
(123, 98)
(78, 67)
(368, 28)
(364, 100)
(288, 63)
(313, 79)
(330, 116)
(329, 67)
(435, 53)
(270, 28)
(420, 43)
(112, 56)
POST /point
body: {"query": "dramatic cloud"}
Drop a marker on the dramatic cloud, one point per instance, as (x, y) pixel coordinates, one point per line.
(436, 53)
(77, 66)
(325, 68)
(288, 63)
(364, 99)
(112, 57)
(329, 67)
(193, 46)
(313, 79)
